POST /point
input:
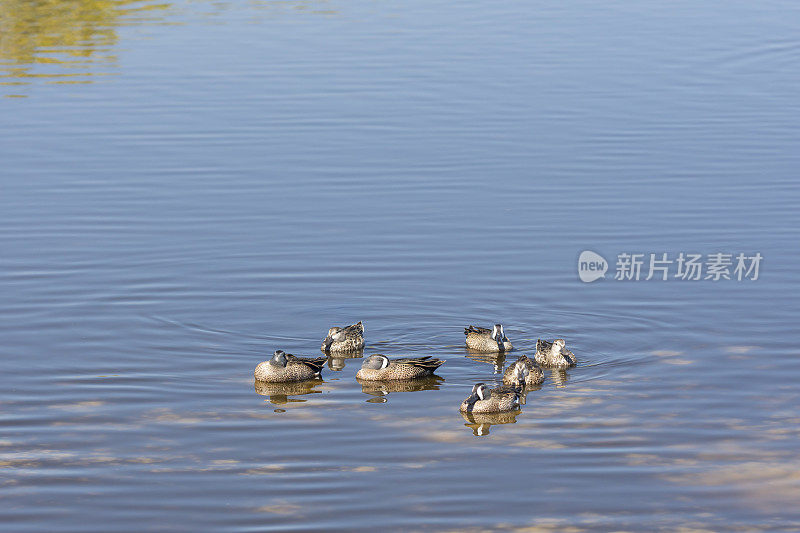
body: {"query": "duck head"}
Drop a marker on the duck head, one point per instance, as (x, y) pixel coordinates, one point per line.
(521, 372)
(375, 362)
(334, 335)
(498, 335)
(479, 392)
(279, 359)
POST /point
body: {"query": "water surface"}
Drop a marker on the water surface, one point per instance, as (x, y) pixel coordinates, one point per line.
(188, 186)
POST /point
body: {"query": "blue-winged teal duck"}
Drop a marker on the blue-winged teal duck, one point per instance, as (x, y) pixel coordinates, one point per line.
(378, 367)
(487, 340)
(533, 373)
(554, 354)
(286, 367)
(497, 400)
(346, 339)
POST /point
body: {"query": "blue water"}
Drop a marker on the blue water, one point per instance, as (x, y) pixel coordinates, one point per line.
(186, 187)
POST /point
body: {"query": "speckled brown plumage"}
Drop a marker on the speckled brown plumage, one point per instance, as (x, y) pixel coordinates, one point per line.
(482, 422)
(502, 399)
(554, 354)
(535, 374)
(346, 339)
(296, 369)
(480, 339)
(401, 368)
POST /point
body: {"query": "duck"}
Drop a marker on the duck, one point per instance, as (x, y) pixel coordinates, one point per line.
(284, 367)
(533, 373)
(554, 354)
(487, 340)
(346, 339)
(498, 400)
(378, 367)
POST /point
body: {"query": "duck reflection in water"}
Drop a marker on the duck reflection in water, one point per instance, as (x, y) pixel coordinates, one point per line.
(337, 361)
(559, 377)
(480, 423)
(497, 359)
(378, 390)
(279, 393)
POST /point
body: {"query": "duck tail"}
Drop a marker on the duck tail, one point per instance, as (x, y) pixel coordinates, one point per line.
(316, 364)
(433, 364)
(426, 362)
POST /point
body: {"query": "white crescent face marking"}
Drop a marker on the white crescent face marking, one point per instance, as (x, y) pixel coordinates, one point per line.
(376, 362)
(497, 332)
(481, 392)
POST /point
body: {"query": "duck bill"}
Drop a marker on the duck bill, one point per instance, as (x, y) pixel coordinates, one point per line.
(327, 343)
(472, 399)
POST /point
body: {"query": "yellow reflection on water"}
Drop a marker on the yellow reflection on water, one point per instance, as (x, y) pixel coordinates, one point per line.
(63, 41)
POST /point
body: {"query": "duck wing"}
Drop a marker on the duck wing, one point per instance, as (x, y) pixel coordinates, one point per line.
(315, 363)
(354, 329)
(476, 329)
(507, 389)
(426, 362)
(542, 346)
